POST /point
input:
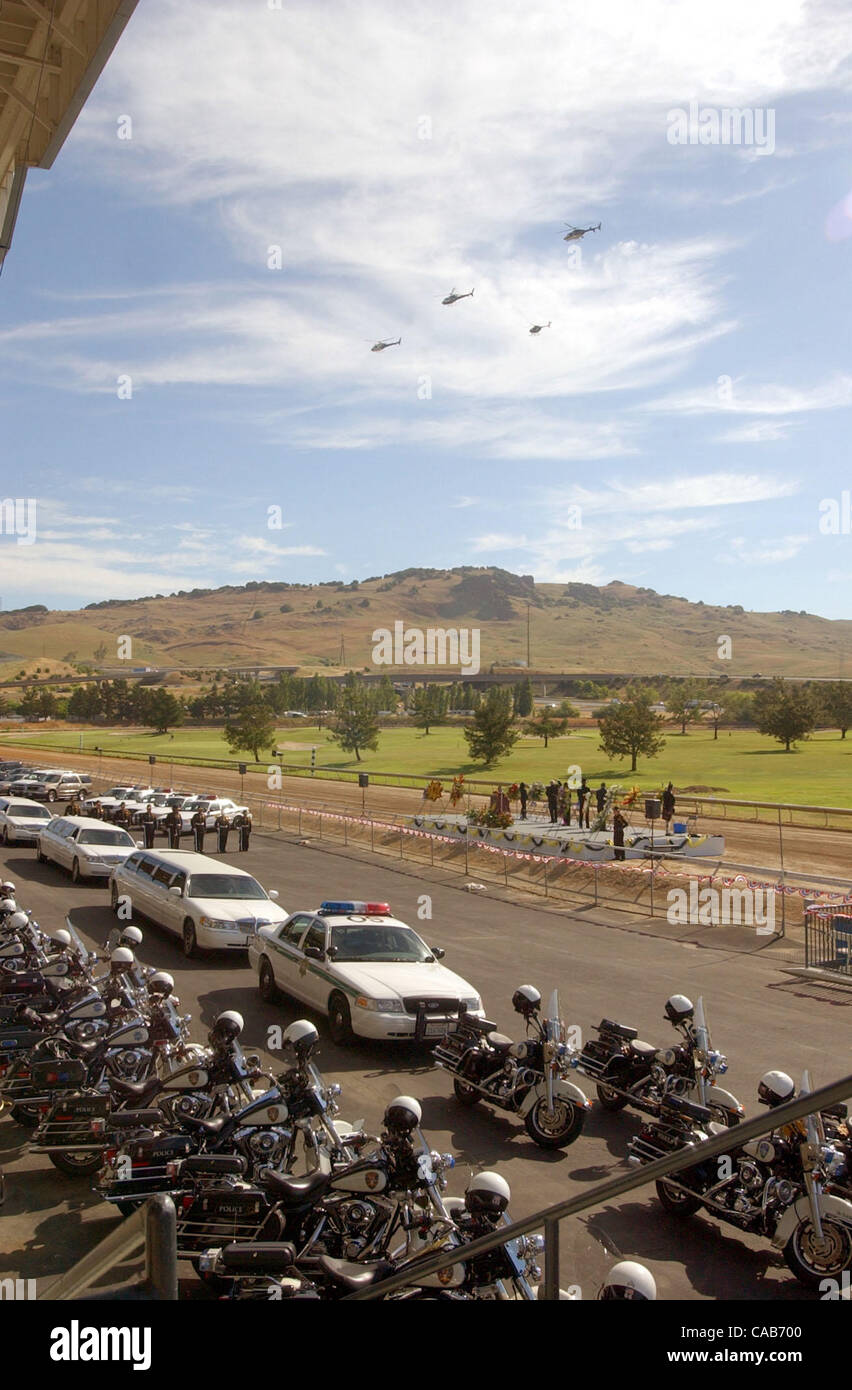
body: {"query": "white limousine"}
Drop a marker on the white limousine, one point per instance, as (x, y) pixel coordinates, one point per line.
(84, 845)
(209, 905)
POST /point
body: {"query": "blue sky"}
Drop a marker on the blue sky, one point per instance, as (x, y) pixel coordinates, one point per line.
(691, 396)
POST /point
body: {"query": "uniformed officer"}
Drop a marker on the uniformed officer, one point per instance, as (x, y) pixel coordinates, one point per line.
(149, 826)
(174, 825)
(223, 826)
(73, 807)
(242, 823)
(122, 816)
(199, 826)
(97, 811)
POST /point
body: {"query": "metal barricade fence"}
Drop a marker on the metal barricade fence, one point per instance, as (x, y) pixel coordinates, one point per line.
(828, 940)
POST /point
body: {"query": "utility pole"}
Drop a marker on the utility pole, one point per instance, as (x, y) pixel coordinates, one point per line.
(528, 637)
(341, 660)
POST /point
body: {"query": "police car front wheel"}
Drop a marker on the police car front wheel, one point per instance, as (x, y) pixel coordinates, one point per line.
(340, 1021)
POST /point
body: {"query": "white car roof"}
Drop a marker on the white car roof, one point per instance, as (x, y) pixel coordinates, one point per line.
(356, 919)
(89, 821)
(192, 862)
(10, 802)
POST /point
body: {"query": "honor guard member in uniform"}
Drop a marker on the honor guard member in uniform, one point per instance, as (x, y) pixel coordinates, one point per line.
(242, 823)
(97, 811)
(199, 826)
(122, 816)
(619, 821)
(149, 826)
(223, 826)
(73, 807)
(174, 825)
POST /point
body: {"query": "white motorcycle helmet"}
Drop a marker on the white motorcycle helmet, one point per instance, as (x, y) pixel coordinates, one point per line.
(628, 1280)
(7, 890)
(775, 1087)
(62, 938)
(227, 1028)
(403, 1115)
(18, 921)
(161, 984)
(302, 1036)
(8, 905)
(487, 1195)
(678, 1007)
(130, 936)
(526, 999)
(121, 960)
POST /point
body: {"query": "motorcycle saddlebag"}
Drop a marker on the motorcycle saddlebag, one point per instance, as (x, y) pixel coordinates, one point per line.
(262, 1257)
(134, 1119)
(213, 1165)
(19, 1039)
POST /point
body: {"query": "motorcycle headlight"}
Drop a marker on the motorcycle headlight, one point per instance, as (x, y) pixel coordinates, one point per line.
(380, 1006)
(473, 1004)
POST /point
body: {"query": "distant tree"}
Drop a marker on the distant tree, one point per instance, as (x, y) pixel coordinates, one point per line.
(524, 698)
(785, 712)
(355, 727)
(682, 702)
(629, 729)
(491, 734)
(567, 710)
(546, 727)
(737, 707)
(253, 729)
(835, 698)
(161, 710)
(429, 706)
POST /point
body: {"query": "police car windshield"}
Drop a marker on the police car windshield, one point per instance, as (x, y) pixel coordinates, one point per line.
(223, 886)
(105, 837)
(378, 943)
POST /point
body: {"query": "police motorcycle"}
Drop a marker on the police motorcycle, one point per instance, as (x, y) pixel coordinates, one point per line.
(61, 974)
(776, 1187)
(385, 1205)
(72, 1124)
(271, 1270)
(58, 1064)
(631, 1072)
(263, 1130)
(528, 1078)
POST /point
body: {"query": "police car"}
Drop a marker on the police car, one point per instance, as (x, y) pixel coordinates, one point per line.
(372, 975)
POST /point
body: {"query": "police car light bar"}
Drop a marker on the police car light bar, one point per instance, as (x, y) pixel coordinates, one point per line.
(367, 909)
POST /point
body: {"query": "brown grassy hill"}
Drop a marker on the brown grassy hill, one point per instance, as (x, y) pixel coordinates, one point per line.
(573, 627)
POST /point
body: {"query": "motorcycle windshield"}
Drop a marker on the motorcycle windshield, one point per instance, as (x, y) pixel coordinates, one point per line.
(702, 1030)
(553, 1025)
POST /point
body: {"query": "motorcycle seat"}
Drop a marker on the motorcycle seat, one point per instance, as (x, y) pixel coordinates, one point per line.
(642, 1049)
(607, 1025)
(265, 1256)
(142, 1091)
(293, 1192)
(499, 1041)
(204, 1126)
(348, 1275)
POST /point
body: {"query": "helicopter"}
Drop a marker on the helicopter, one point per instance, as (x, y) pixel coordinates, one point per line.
(385, 343)
(537, 327)
(577, 233)
(452, 296)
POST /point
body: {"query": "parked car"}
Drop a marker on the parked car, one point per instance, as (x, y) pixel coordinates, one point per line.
(85, 846)
(57, 786)
(369, 972)
(210, 906)
(211, 808)
(22, 820)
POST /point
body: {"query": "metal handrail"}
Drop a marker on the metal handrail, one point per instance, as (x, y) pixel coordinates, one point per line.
(152, 1228)
(549, 1217)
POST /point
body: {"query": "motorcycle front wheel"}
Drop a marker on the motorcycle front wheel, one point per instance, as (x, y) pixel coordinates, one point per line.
(673, 1201)
(27, 1116)
(812, 1260)
(558, 1129)
(465, 1094)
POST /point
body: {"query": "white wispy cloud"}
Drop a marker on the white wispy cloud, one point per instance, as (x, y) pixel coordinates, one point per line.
(738, 398)
(747, 550)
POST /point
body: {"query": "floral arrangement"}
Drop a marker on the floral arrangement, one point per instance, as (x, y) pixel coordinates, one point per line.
(457, 789)
(434, 791)
(513, 792)
(496, 820)
(536, 791)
